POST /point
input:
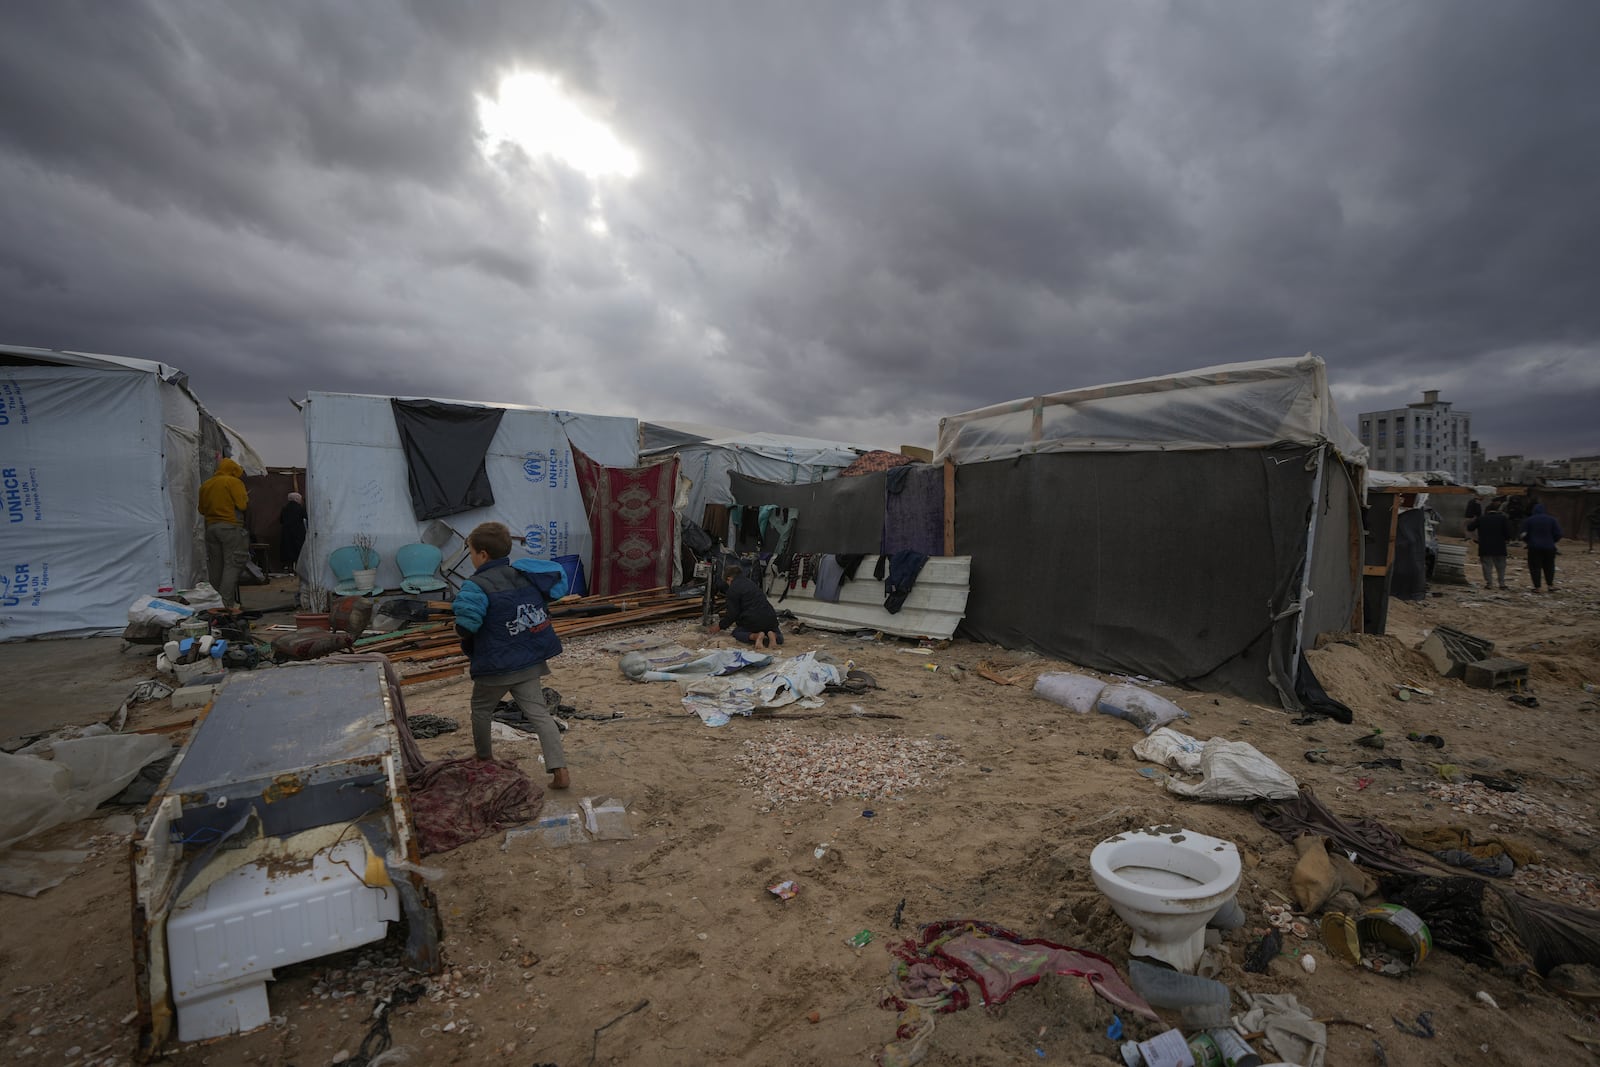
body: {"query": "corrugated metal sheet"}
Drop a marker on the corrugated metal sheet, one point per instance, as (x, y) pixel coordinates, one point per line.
(934, 608)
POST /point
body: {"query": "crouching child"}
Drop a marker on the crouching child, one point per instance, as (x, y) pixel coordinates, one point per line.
(503, 620)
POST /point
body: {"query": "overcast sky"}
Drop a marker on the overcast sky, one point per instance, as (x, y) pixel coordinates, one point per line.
(840, 220)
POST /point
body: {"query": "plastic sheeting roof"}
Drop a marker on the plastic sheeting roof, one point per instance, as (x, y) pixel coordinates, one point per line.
(1235, 405)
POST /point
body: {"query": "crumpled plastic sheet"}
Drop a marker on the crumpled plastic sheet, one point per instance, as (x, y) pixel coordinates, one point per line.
(712, 665)
(1291, 1029)
(37, 794)
(799, 680)
(1236, 771)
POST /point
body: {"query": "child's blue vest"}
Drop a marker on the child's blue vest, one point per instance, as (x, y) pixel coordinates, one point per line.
(516, 633)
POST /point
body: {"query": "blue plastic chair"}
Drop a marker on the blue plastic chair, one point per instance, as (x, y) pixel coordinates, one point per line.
(418, 565)
(344, 562)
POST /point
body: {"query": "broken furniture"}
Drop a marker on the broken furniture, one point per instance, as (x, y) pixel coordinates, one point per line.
(419, 565)
(283, 833)
(1450, 650)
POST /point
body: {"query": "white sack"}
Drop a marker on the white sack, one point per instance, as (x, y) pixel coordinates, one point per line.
(152, 609)
(1144, 709)
(1236, 771)
(1075, 691)
(1175, 751)
(799, 680)
(36, 794)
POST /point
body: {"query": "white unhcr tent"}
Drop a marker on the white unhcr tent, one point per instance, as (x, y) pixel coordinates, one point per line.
(101, 460)
(357, 479)
(769, 457)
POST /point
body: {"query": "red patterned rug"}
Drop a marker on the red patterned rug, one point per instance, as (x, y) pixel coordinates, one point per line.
(630, 516)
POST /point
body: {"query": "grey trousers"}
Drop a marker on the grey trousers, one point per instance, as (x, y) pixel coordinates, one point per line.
(227, 551)
(1495, 563)
(527, 689)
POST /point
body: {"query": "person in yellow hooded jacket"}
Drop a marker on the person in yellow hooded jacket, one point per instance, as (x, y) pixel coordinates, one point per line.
(223, 501)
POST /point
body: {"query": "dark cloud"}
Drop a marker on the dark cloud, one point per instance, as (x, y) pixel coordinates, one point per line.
(848, 219)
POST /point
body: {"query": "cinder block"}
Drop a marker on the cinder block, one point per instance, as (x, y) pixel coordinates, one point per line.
(193, 696)
(1494, 672)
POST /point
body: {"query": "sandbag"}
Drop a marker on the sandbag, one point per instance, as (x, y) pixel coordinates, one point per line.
(310, 644)
(1236, 771)
(1144, 709)
(152, 609)
(1075, 691)
(1179, 752)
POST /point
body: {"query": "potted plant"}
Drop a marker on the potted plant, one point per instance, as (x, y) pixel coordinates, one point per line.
(366, 577)
(313, 611)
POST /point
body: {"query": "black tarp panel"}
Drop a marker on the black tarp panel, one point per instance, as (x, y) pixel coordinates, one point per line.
(1375, 587)
(1408, 576)
(1169, 564)
(1334, 584)
(445, 445)
(838, 515)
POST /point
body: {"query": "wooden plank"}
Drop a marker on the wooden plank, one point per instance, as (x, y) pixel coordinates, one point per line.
(1394, 524)
(453, 669)
(949, 507)
(1374, 570)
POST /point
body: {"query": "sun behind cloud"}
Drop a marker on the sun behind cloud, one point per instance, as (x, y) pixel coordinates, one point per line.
(533, 112)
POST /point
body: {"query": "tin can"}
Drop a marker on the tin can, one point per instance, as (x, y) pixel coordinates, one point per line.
(1398, 930)
(1205, 1051)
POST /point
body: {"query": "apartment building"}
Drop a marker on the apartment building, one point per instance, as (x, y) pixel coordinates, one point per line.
(1425, 436)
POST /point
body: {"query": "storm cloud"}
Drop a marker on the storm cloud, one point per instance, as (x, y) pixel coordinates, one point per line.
(846, 219)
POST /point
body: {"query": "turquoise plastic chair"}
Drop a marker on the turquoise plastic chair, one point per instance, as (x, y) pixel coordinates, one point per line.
(419, 565)
(344, 562)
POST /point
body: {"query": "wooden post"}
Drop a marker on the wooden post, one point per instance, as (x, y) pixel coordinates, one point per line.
(1357, 553)
(949, 507)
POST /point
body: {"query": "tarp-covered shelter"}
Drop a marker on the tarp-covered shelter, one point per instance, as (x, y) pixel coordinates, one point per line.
(101, 460)
(269, 491)
(361, 479)
(1200, 528)
(771, 457)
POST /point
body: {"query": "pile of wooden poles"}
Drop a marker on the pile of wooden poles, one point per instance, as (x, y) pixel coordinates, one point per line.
(431, 650)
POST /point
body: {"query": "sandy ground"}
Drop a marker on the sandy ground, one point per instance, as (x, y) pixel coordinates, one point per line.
(546, 945)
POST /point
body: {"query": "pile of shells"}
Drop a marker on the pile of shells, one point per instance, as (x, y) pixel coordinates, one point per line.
(786, 766)
(1471, 798)
(1282, 917)
(1579, 889)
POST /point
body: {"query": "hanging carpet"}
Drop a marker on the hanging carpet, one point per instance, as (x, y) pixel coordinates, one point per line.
(630, 517)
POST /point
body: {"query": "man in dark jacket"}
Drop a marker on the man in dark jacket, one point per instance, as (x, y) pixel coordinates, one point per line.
(1494, 531)
(1541, 531)
(748, 612)
(504, 625)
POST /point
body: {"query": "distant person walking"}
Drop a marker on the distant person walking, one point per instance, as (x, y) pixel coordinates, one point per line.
(1492, 531)
(1541, 531)
(292, 531)
(223, 501)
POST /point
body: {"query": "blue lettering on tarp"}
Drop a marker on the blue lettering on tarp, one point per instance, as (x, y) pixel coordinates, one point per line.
(11, 490)
(560, 539)
(20, 582)
(535, 540)
(533, 467)
(12, 406)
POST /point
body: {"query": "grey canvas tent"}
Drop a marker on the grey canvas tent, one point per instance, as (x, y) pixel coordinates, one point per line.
(101, 460)
(1200, 528)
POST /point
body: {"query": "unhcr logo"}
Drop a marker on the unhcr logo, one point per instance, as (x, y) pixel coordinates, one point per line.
(533, 467)
(535, 540)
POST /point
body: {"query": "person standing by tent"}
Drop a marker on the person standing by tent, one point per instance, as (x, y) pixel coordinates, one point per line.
(504, 624)
(1492, 530)
(223, 501)
(292, 530)
(1541, 531)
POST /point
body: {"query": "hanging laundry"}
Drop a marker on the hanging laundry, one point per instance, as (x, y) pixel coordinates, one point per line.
(904, 567)
(829, 577)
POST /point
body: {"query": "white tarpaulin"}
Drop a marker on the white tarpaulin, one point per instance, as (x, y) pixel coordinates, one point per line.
(100, 465)
(1236, 405)
(357, 479)
(770, 457)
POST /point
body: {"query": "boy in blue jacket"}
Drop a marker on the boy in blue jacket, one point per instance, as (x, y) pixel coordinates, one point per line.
(504, 624)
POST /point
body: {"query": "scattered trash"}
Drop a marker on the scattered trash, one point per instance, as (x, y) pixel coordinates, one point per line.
(1264, 952)
(1526, 700)
(1372, 740)
(1151, 772)
(606, 818)
(1236, 771)
(1499, 785)
(1289, 1028)
(868, 813)
(813, 1016)
(1484, 998)
(1426, 739)
(899, 912)
(1317, 755)
(1200, 1002)
(1114, 1031)
(426, 725)
(1423, 1028)
(787, 890)
(860, 939)
(1387, 939)
(820, 851)
(1308, 963)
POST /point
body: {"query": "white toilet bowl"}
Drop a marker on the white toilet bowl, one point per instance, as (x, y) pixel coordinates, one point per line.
(1166, 883)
